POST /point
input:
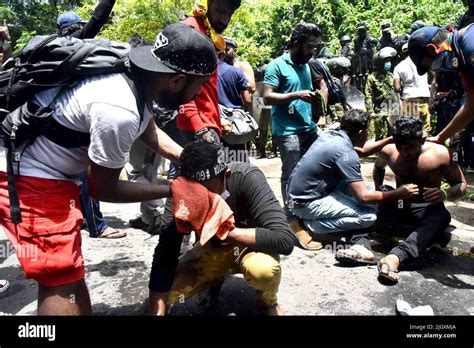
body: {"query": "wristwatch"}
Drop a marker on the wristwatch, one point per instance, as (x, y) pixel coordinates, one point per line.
(201, 132)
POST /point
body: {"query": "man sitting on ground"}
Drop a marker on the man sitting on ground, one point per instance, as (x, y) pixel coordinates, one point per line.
(327, 192)
(426, 165)
(261, 233)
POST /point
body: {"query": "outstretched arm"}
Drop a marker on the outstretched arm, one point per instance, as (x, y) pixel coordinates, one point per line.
(460, 120)
(372, 148)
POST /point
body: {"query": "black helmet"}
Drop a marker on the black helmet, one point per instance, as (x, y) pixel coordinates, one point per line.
(380, 56)
(417, 25)
(345, 38)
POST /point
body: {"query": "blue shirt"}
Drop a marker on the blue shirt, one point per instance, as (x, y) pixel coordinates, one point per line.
(464, 52)
(329, 161)
(231, 82)
(287, 77)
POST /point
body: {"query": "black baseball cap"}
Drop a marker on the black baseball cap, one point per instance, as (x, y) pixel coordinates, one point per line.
(417, 46)
(361, 25)
(179, 48)
(385, 27)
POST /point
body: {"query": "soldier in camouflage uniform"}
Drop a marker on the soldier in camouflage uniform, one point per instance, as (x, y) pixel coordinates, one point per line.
(346, 49)
(339, 68)
(381, 100)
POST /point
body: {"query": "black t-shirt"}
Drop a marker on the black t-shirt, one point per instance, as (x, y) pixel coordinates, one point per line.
(254, 205)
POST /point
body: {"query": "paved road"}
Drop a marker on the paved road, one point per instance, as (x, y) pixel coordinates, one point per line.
(313, 283)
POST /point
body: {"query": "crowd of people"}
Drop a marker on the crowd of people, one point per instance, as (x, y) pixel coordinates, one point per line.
(219, 212)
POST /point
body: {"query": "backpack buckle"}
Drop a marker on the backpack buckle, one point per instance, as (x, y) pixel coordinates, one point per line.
(13, 132)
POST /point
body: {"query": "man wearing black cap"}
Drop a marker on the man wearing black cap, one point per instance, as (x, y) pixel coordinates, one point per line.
(364, 41)
(387, 37)
(440, 50)
(71, 24)
(364, 48)
(232, 59)
(105, 107)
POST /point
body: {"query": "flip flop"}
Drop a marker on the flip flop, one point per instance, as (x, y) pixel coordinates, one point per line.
(357, 259)
(4, 285)
(113, 235)
(386, 276)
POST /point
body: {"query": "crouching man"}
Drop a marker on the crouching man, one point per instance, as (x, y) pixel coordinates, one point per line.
(252, 248)
(328, 194)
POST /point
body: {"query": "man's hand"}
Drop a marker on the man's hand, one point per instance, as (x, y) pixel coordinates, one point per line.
(207, 136)
(226, 126)
(373, 115)
(308, 96)
(434, 195)
(4, 32)
(434, 139)
(408, 191)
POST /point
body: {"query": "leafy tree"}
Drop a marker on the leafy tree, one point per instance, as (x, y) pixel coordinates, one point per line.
(261, 27)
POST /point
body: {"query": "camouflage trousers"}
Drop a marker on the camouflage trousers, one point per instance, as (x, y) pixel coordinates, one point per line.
(204, 266)
(380, 126)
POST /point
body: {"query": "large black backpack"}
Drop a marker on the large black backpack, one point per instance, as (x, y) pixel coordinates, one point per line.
(47, 62)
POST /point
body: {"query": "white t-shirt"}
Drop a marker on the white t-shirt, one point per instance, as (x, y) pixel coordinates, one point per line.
(103, 106)
(414, 85)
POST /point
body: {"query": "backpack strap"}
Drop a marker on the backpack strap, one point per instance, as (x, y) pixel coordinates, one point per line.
(137, 90)
(12, 156)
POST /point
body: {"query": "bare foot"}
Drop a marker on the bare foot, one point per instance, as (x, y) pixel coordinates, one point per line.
(111, 233)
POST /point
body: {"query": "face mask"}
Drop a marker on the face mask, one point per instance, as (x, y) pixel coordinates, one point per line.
(387, 66)
(443, 62)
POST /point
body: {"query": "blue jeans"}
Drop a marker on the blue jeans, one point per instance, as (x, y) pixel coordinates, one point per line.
(292, 148)
(337, 212)
(91, 210)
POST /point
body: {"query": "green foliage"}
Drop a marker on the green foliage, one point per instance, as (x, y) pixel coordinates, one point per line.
(261, 28)
(250, 28)
(23, 40)
(143, 17)
(27, 18)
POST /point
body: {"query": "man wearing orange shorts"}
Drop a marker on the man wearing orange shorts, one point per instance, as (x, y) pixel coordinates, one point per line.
(105, 107)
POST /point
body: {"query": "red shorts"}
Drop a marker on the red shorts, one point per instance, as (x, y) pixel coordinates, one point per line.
(48, 240)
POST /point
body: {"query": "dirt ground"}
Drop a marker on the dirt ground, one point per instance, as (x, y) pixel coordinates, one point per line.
(313, 283)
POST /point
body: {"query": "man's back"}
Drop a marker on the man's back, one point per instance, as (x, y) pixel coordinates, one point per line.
(330, 160)
(414, 85)
(232, 82)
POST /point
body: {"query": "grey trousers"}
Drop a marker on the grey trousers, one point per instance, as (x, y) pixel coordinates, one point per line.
(143, 168)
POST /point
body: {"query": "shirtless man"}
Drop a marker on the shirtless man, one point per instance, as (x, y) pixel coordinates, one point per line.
(424, 164)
